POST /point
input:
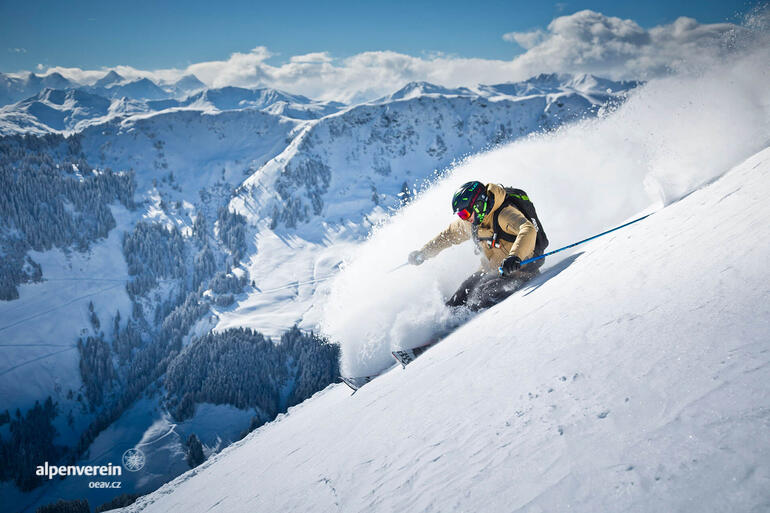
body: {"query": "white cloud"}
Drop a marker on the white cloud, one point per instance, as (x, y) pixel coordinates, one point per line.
(585, 41)
(591, 42)
(241, 69)
(17, 50)
(317, 57)
(526, 40)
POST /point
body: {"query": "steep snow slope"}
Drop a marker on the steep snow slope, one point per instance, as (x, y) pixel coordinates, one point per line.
(351, 144)
(668, 139)
(629, 377)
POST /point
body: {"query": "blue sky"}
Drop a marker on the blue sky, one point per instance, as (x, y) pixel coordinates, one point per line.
(154, 35)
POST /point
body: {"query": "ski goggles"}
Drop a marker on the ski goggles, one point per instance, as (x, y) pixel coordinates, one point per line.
(464, 214)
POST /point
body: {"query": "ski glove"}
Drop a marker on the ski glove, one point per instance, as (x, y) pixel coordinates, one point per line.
(416, 257)
(510, 264)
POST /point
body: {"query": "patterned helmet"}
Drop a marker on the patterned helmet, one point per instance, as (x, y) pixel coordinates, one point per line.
(471, 198)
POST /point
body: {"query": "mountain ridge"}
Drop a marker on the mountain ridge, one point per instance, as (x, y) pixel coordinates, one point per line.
(144, 96)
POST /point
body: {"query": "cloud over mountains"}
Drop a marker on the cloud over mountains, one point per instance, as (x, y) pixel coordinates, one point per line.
(594, 43)
(585, 41)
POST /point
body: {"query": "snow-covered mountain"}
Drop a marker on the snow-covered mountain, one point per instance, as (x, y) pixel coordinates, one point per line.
(13, 89)
(416, 89)
(112, 86)
(109, 79)
(561, 97)
(56, 110)
(71, 110)
(549, 83)
(271, 100)
(631, 376)
(141, 89)
(185, 85)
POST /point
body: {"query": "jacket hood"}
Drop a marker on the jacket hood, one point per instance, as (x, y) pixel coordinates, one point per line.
(497, 194)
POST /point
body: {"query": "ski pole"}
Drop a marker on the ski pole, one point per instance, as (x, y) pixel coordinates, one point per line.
(398, 267)
(297, 284)
(580, 242)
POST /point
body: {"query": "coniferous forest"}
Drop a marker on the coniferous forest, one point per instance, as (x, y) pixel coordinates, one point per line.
(53, 198)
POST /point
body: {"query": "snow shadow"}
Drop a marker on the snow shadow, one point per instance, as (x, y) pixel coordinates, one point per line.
(549, 273)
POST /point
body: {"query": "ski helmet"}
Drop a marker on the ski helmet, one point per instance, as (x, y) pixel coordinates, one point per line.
(471, 197)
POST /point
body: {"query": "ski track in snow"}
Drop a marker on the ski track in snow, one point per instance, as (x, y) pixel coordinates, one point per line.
(33, 360)
(634, 379)
(62, 305)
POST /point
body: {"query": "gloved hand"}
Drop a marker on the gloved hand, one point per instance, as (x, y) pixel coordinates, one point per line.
(510, 264)
(416, 257)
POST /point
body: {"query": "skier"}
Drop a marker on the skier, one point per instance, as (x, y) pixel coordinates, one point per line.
(503, 224)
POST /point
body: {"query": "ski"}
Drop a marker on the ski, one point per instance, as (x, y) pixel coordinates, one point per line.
(357, 382)
(407, 356)
(402, 356)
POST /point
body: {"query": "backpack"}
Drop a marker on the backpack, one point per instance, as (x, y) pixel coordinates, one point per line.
(520, 200)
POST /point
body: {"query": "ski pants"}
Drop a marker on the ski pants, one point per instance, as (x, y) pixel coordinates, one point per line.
(484, 289)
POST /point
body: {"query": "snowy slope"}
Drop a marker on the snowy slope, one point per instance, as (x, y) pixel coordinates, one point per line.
(629, 377)
(55, 110)
(41, 328)
(39, 331)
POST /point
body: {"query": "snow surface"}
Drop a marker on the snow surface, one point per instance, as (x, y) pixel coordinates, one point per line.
(39, 331)
(631, 376)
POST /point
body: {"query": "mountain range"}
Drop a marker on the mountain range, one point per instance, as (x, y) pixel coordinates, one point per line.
(53, 104)
(14, 88)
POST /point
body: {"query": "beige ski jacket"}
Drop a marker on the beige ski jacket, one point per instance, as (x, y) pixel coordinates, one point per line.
(511, 221)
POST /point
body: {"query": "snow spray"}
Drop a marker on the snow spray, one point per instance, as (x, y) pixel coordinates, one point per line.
(670, 137)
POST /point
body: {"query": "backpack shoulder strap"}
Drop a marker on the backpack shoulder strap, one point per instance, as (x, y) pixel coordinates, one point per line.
(499, 233)
(520, 200)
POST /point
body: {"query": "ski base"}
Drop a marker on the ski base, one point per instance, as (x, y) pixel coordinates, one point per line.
(407, 356)
(357, 382)
(402, 356)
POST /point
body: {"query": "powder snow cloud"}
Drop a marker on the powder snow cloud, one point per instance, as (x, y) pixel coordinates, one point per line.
(583, 42)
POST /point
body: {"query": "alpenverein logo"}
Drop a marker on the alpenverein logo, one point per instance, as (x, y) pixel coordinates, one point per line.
(133, 460)
(52, 471)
